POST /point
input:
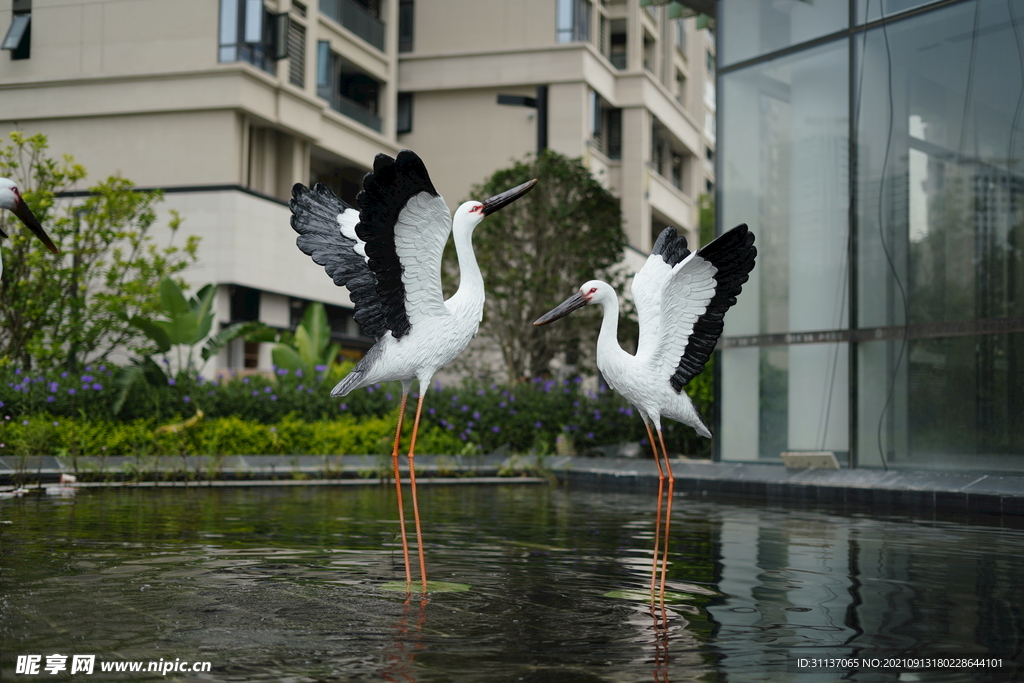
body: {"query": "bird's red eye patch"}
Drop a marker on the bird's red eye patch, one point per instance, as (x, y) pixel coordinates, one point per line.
(593, 290)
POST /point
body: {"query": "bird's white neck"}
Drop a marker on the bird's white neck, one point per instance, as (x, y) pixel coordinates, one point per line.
(608, 338)
(471, 281)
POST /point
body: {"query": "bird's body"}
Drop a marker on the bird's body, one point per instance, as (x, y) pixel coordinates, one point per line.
(681, 298)
(10, 199)
(388, 254)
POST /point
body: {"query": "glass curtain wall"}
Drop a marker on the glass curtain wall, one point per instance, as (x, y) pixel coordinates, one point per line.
(784, 172)
(885, 318)
(940, 237)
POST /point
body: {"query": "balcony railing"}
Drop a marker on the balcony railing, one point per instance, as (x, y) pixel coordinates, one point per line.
(352, 110)
(356, 19)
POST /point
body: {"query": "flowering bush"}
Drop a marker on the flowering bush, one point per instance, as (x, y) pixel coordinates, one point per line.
(528, 417)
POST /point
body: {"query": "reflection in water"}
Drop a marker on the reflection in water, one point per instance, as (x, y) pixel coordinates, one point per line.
(271, 584)
(399, 661)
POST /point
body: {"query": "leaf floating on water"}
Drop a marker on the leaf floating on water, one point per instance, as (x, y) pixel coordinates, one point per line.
(432, 587)
(645, 596)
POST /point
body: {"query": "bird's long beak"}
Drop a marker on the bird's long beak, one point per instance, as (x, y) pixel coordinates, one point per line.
(507, 197)
(22, 211)
(563, 309)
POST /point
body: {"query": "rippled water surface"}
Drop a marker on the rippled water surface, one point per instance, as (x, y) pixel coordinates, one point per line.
(289, 584)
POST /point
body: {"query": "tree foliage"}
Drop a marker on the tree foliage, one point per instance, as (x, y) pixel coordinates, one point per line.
(74, 307)
(536, 251)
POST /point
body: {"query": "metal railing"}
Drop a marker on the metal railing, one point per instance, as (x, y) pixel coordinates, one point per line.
(352, 110)
(356, 19)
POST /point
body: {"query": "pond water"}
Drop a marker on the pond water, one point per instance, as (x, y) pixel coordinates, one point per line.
(289, 584)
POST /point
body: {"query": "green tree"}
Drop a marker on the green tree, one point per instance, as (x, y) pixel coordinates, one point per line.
(75, 306)
(536, 251)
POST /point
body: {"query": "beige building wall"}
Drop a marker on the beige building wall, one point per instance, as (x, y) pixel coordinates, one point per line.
(138, 88)
(455, 71)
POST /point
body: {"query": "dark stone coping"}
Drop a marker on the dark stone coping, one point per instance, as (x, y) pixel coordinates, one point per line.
(921, 491)
(925, 492)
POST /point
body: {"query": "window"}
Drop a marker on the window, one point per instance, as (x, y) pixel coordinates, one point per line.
(404, 113)
(617, 44)
(19, 36)
(248, 33)
(348, 91)
(681, 35)
(244, 304)
(406, 14)
(572, 21)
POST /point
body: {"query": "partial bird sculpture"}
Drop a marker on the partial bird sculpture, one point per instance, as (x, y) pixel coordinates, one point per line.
(681, 300)
(388, 254)
(10, 199)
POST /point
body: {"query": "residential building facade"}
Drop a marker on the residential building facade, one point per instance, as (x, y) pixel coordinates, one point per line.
(628, 87)
(875, 148)
(226, 104)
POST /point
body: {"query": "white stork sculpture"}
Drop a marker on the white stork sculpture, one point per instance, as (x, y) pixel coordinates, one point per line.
(388, 254)
(681, 299)
(10, 199)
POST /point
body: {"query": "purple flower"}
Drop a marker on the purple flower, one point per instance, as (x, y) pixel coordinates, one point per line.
(64, 375)
(298, 372)
(273, 430)
(343, 406)
(502, 404)
(71, 391)
(49, 399)
(299, 388)
(266, 390)
(172, 381)
(281, 372)
(388, 396)
(255, 392)
(24, 422)
(369, 390)
(245, 380)
(590, 435)
(320, 368)
(495, 429)
(512, 411)
(53, 388)
(469, 424)
(103, 368)
(597, 414)
(97, 386)
(431, 411)
(273, 397)
(187, 399)
(465, 408)
(462, 436)
(538, 425)
(56, 424)
(480, 392)
(88, 368)
(18, 371)
(476, 415)
(210, 393)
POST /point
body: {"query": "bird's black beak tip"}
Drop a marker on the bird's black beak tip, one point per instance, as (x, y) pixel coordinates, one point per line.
(502, 200)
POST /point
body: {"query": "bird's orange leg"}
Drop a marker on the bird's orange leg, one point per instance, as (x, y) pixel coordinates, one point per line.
(412, 481)
(668, 522)
(657, 523)
(398, 490)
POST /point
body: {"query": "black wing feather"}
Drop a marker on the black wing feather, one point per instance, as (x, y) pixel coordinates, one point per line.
(386, 190)
(315, 217)
(733, 255)
(671, 246)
